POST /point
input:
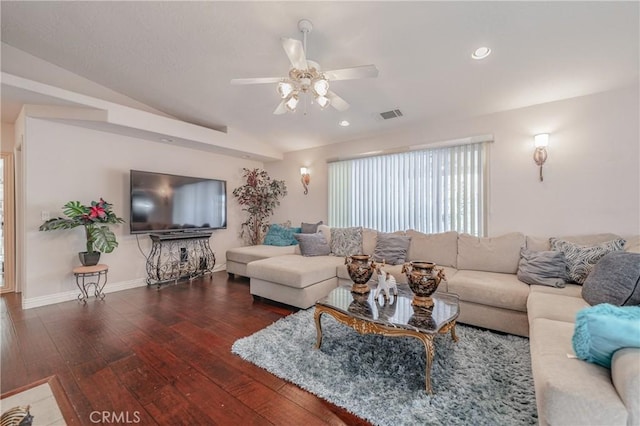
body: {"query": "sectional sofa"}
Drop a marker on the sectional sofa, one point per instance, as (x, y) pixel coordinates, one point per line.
(482, 271)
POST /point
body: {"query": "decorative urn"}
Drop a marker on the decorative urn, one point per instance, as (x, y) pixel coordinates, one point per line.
(360, 269)
(423, 278)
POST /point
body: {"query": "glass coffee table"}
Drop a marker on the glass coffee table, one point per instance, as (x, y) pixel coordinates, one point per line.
(394, 318)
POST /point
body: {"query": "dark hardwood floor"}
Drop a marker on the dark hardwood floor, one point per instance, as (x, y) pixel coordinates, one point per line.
(165, 355)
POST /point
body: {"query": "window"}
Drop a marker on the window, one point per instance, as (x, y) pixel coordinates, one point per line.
(431, 190)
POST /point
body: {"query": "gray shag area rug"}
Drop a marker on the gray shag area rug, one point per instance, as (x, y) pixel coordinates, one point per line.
(484, 379)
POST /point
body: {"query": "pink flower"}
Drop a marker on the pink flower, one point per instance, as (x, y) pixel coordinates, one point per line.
(97, 212)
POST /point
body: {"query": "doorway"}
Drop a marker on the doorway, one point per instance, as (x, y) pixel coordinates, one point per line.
(7, 226)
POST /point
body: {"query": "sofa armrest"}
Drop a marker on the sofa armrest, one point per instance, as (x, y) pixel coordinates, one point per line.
(625, 373)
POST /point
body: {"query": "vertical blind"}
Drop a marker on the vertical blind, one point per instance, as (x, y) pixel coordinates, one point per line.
(431, 190)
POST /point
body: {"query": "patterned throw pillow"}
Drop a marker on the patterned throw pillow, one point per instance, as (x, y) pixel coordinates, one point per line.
(581, 259)
(391, 248)
(346, 241)
(313, 244)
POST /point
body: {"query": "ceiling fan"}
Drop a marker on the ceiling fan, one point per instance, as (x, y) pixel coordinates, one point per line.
(306, 76)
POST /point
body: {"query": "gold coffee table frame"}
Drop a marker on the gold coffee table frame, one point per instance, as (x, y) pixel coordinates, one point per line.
(364, 325)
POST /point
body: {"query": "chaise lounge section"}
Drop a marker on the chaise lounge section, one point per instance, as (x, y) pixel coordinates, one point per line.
(482, 271)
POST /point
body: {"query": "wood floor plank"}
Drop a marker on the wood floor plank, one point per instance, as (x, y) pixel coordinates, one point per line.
(174, 409)
(163, 356)
(141, 380)
(34, 340)
(274, 407)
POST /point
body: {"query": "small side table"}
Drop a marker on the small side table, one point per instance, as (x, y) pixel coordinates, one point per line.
(97, 272)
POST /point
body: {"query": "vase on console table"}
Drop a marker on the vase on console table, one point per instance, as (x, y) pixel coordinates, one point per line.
(423, 278)
(360, 269)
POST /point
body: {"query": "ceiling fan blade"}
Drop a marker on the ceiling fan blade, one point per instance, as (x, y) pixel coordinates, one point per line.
(259, 80)
(294, 50)
(337, 102)
(363, 71)
(280, 109)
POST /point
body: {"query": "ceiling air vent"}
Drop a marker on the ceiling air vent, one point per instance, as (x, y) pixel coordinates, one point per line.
(391, 114)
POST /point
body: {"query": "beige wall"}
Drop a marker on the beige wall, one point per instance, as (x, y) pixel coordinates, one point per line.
(592, 179)
(65, 162)
(7, 137)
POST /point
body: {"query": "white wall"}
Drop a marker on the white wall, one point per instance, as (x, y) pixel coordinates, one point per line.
(65, 162)
(591, 178)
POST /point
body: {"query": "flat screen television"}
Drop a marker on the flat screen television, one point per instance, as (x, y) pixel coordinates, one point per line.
(162, 202)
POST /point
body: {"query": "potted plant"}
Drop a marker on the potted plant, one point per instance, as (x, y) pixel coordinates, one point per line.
(259, 197)
(95, 219)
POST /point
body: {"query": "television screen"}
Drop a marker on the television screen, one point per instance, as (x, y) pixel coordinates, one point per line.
(168, 203)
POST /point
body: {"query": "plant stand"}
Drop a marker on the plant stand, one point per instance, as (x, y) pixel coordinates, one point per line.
(98, 272)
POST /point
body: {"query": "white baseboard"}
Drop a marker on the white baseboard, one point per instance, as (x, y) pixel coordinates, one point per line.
(34, 302)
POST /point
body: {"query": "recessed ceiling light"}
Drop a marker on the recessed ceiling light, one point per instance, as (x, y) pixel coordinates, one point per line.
(166, 140)
(344, 123)
(481, 53)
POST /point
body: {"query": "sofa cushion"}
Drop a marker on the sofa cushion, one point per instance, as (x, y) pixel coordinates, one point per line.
(313, 244)
(391, 248)
(570, 391)
(615, 279)
(491, 254)
(490, 288)
(603, 329)
(346, 241)
(294, 270)
(573, 290)
(625, 373)
(556, 307)
(441, 249)
(542, 268)
(633, 244)
(326, 231)
(250, 253)
(369, 240)
(581, 258)
(543, 243)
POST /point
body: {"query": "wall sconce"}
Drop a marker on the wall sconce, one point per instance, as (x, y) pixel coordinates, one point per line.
(305, 179)
(540, 155)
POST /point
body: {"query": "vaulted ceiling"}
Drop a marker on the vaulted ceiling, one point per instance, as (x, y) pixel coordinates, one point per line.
(179, 57)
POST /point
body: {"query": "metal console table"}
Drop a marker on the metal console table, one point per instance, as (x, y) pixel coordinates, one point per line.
(178, 256)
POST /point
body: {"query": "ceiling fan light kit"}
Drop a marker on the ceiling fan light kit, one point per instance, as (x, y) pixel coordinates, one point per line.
(291, 102)
(305, 76)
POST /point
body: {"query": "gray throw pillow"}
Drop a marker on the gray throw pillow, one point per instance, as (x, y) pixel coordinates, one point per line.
(615, 279)
(310, 228)
(581, 259)
(542, 268)
(391, 248)
(346, 241)
(313, 244)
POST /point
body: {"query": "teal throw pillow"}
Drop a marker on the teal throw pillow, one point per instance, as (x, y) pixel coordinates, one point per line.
(279, 235)
(603, 329)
